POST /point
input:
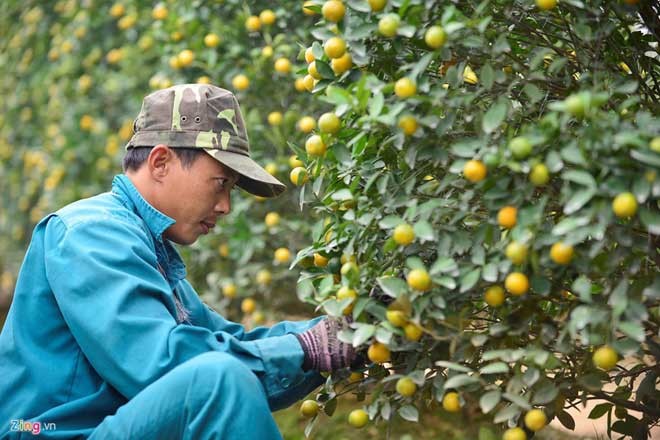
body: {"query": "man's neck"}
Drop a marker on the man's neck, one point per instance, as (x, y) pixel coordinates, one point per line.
(144, 186)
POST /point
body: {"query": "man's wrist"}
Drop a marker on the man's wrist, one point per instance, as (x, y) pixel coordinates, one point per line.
(307, 361)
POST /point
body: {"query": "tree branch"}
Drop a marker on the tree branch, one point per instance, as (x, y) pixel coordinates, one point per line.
(655, 412)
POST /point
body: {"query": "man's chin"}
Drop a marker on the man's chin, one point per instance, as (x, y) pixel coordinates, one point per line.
(183, 240)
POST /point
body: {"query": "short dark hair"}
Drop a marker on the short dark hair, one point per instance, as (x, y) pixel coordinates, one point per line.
(135, 157)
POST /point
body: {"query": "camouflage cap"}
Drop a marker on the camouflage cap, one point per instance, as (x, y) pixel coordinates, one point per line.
(207, 117)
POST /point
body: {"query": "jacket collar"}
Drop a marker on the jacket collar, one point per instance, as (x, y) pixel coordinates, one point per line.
(156, 222)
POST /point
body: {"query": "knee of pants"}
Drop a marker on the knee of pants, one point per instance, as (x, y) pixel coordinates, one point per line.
(211, 370)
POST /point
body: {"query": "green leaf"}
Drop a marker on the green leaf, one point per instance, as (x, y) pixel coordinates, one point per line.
(483, 24)
(556, 65)
(646, 389)
(389, 222)
(504, 354)
(333, 307)
(579, 177)
(439, 301)
(441, 265)
(627, 88)
(381, 184)
(568, 224)
(501, 45)
(489, 400)
(411, 158)
(630, 139)
(545, 394)
(324, 69)
(572, 154)
(578, 200)
(342, 195)
(487, 76)
(415, 263)
(392, 286)
(310, 426)
(460, 381)
(363, 333)
(652, 291)
(478, 255)
(409, 412)
(336, 95)
(454, 366)
(641, 188)
(304, 288)
(531, 376)
(447, 282)
(383, 335)
(540, 285)
(376, 104)
(424, 230)
(330, 406)
(583, 31)
(582, 287)
(566, 420)
(650, 219)
(363, 31)
(317, 50)
(406, 31)
(466, 149)
(421, 65)
(553, 162)
(591, 381)
(628, 427)
(494, 116)
(469, 280)
(495, 368)
(418, 376)
(316, 187)
(506, 413)
(646, 157)
(618, 299)
(533, 93)
(479, 340)
(326, 286)
(521, 401)
(365, 219)
(490, 272)
(600, 410)
(386, 410)
(633, 330)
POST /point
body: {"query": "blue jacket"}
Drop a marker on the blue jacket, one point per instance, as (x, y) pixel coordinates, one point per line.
(93, 321)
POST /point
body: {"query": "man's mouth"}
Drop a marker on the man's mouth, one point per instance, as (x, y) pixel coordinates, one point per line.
(207, 226)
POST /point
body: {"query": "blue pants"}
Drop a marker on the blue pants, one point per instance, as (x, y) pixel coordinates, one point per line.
(212, 396)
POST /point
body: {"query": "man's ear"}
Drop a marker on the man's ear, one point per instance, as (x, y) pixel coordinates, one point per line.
(160, 161)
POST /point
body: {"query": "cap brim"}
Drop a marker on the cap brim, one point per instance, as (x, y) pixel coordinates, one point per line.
(252, 178)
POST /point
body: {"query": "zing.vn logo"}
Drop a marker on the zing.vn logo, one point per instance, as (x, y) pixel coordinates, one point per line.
(33, 427)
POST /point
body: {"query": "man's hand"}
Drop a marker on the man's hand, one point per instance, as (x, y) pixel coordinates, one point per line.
(323, 349)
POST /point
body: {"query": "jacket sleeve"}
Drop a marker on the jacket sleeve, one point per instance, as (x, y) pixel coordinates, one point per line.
(119, 308)
(264, 338)
(211, 319)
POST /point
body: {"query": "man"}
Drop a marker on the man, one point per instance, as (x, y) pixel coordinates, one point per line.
(106, 339)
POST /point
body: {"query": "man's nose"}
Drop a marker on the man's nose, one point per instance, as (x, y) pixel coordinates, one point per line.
(223, 205)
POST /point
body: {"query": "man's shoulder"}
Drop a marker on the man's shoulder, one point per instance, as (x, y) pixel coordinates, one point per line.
(105, 207)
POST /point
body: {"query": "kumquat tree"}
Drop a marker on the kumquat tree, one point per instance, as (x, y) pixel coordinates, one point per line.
(473, 185)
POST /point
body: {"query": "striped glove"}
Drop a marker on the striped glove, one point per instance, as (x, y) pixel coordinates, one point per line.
(323, 349)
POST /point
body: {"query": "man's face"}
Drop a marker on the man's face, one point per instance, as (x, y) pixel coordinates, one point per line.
(195, 197)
